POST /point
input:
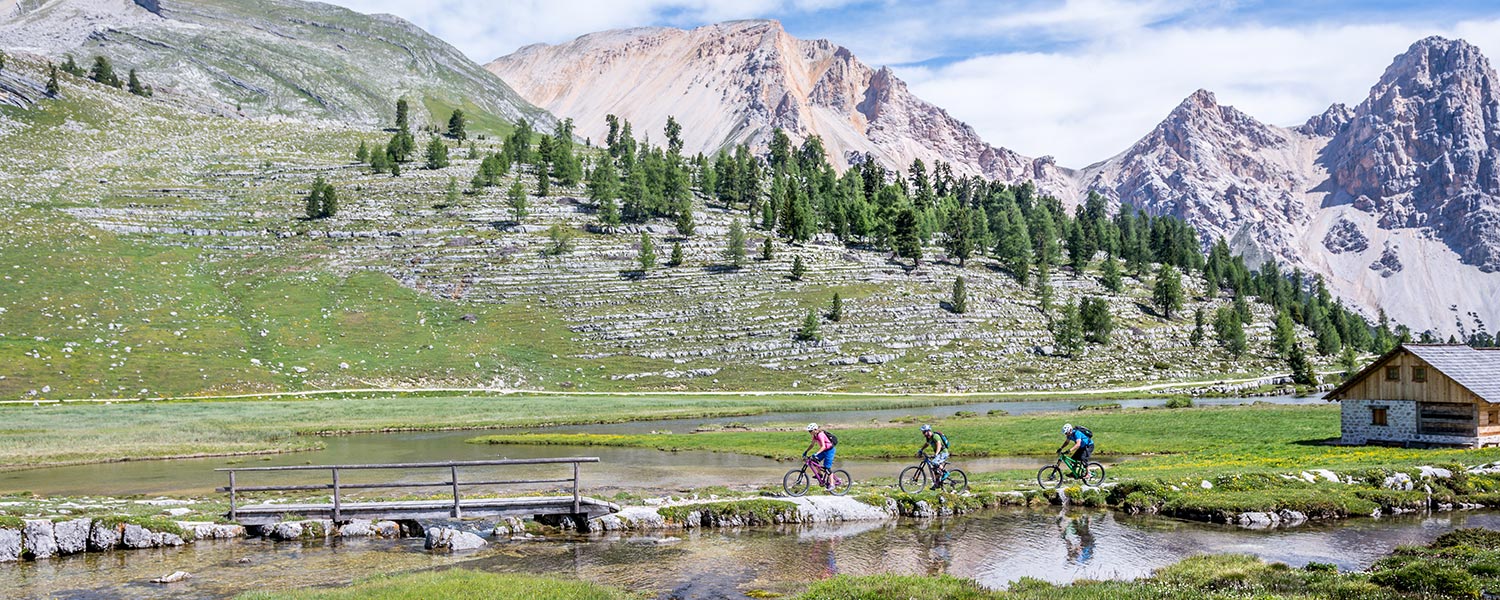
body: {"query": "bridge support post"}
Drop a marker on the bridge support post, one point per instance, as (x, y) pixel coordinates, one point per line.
(338, 516)
(581, 522)
(232, 500)
(457, 510)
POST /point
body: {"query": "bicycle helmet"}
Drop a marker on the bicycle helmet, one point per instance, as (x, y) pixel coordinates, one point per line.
(1067, 428)
(812, 426)
(926, 427)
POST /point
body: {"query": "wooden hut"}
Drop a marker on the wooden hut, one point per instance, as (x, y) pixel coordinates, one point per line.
(1424, 395)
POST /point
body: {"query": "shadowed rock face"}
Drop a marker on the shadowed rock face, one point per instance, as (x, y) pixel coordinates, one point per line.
(736, 82)
(1421, 151)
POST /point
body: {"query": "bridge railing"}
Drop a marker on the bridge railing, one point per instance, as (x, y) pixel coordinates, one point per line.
(453, 482)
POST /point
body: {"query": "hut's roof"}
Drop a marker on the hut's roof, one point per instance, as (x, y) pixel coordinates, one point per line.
(1477, 370)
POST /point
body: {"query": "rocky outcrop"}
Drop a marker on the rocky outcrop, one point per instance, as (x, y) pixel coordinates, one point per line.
(735, 82)
(455, 540)
(1345, 236)
(1423, 150)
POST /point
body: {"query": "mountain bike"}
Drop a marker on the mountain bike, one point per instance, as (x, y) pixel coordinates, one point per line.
(914, 479)
(1051, 476)
(796, 481)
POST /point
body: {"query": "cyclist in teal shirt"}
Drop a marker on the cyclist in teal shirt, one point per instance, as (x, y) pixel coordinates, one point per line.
(1082, 443)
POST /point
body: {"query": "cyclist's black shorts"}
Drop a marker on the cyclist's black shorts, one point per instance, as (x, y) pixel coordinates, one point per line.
(1083, 453)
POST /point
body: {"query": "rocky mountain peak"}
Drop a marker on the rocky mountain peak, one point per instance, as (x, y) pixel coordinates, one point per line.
(1423, 149)
(734, 82)
(1329, 122)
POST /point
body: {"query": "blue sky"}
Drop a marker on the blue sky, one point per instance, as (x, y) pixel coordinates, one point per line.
(1077, 79)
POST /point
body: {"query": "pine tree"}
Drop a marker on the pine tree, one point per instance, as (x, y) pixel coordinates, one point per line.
(836, 309)
(450, 195)
(603, 183)
(136, 87)
(1284, 336)
(395, 168)
(401, 116)
(1242, 308)
(1109, 275)
(380, 162)
(959, 235)
(1166, 294)
(104, 73)
(767, 249)
(437, 154)
(1098, 323)
(798, 268)
(609, 213)
(908, 242)
(676, 259)
(322, 201)
(457, 126)
(647, 255)
(1067, 332)
(1229, 330)
(52, 88)
(2, 60)
(1302, 371)
(1329, 341)
(560, 239)
(684, 223)
(809, 330)
(71, 67)
(735, 252)
(401, 146)
(1044, 288)
(362, 154)
(1199, 321)
(1349, 360)
(543, 182)
(959, 302)
(516, 198)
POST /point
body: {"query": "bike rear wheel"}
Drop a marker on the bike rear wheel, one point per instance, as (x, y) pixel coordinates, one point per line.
(839, 482)
(1094, 475)
(795, 482)
(957, 480)
(1049, 477)
(913, 480)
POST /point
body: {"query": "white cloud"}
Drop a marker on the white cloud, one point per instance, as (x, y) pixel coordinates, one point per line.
(1085, 103)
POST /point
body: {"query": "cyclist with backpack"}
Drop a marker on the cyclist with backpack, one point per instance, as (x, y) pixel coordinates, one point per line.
(824, 442)
(939, 444)
(1082, 441)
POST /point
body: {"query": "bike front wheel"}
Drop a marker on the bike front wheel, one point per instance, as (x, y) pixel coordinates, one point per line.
(1094, 475)
(839, 482)
(795, 482)
(913, 480)
(1050, 477)
(956, 481)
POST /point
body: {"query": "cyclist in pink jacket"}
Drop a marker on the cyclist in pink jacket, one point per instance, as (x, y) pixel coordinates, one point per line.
(823, 442)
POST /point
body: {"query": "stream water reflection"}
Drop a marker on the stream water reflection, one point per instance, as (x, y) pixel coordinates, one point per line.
(994, 548)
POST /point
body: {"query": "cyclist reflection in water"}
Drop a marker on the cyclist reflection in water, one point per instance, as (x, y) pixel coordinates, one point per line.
(825, 549)
(1083, 551)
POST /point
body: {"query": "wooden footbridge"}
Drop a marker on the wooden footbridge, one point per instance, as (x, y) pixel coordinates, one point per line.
(553, 509)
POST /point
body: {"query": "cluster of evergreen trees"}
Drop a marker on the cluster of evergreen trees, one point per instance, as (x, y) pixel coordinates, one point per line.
(102, 72)
(638, 181)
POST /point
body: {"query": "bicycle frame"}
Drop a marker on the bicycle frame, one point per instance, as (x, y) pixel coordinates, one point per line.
(818, 472)
(1072, 466)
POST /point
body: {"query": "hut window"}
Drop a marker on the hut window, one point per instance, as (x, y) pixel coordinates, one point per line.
(1377, 415)
(1419, 374)
(1393, 373)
